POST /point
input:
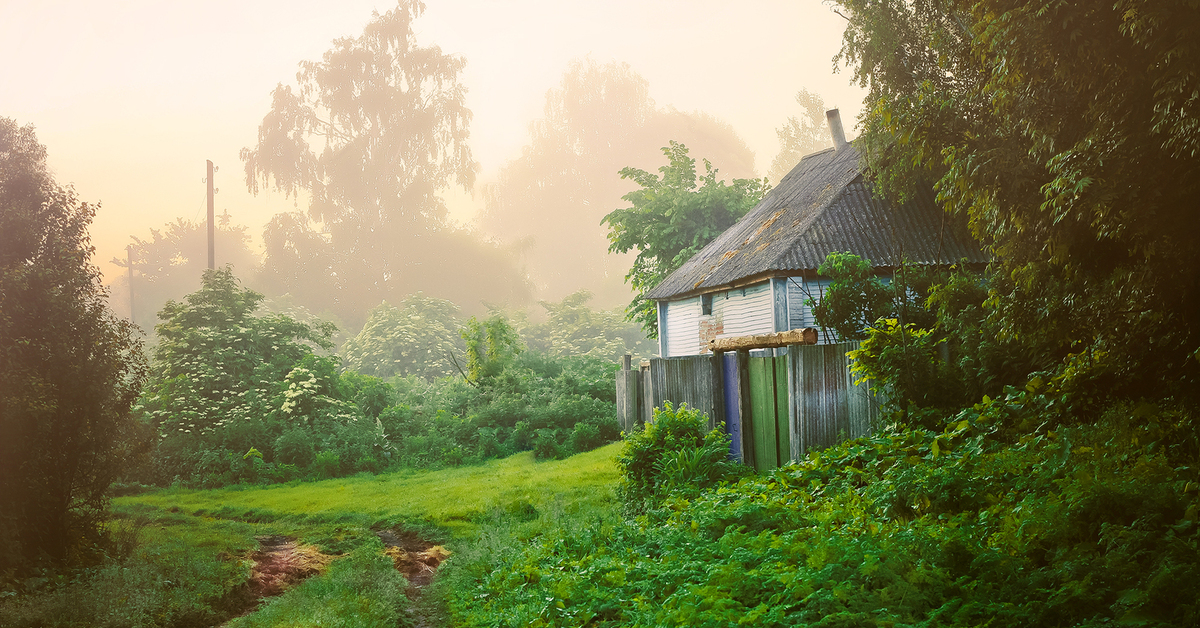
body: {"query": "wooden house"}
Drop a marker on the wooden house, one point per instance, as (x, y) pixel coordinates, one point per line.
(758, 276)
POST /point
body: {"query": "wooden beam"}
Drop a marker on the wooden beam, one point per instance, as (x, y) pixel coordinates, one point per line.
(806, 336)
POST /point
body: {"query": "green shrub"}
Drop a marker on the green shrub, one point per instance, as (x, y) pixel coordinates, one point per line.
(546, 445)
(676, 451)
(327, 464)
(1013, 514)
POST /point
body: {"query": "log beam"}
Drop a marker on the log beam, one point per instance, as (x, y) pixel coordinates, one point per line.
(806, 336)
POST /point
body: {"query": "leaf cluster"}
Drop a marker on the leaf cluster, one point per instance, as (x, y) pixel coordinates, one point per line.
(670, 218)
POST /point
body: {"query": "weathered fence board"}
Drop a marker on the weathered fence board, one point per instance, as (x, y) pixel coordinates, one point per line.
(684, 380)
(829, 406)
(775, 409)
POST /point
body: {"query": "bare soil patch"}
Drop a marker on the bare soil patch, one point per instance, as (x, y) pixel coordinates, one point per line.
(279, 563)
(418, 559)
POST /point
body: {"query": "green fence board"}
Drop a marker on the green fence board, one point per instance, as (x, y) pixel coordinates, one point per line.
(781, 411)
(762, 412)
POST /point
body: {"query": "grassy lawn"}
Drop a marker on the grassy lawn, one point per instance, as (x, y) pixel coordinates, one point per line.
(454, 500)
(187, 555)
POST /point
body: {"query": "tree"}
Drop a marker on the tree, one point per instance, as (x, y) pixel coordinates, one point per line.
(168, 265)
(800, 136)
(376, 129)
(418, 338)
(69, 369)
(551, 199)
(217, 371)
(856, 298)
(572, 328)
(1070, 135)
(670, 219)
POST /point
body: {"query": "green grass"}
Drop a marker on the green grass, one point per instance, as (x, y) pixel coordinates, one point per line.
(361, 590)
(183, 571)
(190, 556)
(455, 500)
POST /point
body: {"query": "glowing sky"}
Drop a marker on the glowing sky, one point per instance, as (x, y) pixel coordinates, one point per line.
(131, 96)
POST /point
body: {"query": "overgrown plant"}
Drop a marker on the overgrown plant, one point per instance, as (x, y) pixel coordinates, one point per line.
(675, 453)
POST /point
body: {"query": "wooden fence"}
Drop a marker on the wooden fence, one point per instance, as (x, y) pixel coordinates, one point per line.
(776, 404)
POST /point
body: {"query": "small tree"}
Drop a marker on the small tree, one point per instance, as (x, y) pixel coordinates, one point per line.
(671, 218)
(69, 369)
(418, 338)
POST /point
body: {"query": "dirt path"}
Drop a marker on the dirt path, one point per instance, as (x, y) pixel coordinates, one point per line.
(279, 563)
(418, 559)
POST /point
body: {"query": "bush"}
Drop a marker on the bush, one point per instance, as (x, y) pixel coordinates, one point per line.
(675, 452)
(327, 464)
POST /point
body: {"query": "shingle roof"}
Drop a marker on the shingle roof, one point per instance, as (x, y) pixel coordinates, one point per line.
(824, 205)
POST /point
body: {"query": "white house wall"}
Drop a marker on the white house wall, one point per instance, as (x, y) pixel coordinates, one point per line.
(744, 311)
(683, 327)
(739, 312)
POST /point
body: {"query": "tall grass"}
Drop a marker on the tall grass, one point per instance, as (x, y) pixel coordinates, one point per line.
(181, 571)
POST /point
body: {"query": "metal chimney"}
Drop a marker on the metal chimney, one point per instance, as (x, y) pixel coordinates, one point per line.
(835, 128)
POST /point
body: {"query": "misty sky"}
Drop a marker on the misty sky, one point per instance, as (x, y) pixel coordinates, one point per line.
(131, 96)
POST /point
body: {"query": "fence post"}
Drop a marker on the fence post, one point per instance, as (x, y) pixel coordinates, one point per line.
(628, 395)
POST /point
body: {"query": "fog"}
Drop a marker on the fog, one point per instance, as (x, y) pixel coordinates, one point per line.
(130, 99)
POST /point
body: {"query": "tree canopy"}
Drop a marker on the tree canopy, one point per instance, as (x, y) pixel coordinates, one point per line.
(800, 136)
(550, 200)
(418, 338)
(373, 133)
(69, 369)
(1070, 135)
(671, 218)
(169, 263)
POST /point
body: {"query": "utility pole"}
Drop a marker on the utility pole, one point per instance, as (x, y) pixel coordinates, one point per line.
(129, 266)
(212, 234)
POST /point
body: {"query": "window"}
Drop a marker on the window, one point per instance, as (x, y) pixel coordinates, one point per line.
(706, 305)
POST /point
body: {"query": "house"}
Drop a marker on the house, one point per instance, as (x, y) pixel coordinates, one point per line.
(758, 275)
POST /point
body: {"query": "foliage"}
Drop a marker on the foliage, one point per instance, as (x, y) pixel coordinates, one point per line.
(492, 345)
(1069, 133)
(676, 453)
(799, 137)
(553, 406)
(670, 219)
(856, 298)
(931, 338)
(374, 131)
(1007, 516)
(549, 201)
(240, 396)
(179, 571)
(227, 379)
(419, 338)
(572, 328)
(69, 369)
(168, 265)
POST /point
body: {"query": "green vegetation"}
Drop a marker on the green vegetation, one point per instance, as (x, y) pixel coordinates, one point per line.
(168, 569)
(69, 369)
(361, 590)
(452, 499)
(670, 219)
(184, 555)
(1082, 182)
(1002, 517)
(242, 396)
